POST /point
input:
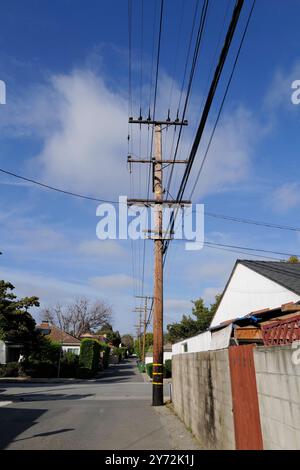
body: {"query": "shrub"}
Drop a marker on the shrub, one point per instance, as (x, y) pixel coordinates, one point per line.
(120, 353)
(105, 349)
(168, 368)
(69, 365)
(84, 373)
(89, 356)
(9, 370)
(46, 350)
(141, 367)
(149, 369)
(38, 369)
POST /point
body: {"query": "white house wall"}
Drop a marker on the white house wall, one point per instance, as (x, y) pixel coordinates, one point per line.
(74, 349)
(249, 291)
(195, 344)
(167, 355)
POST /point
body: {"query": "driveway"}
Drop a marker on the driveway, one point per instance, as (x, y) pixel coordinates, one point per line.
(112, 412)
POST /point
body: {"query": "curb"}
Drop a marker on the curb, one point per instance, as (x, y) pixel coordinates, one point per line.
(15, 380)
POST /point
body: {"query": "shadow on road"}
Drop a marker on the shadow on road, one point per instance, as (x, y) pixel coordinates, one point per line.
(45, 434)
(14, 422)
(27, 397)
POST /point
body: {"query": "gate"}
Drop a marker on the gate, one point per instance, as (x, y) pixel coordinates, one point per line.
(247, 427)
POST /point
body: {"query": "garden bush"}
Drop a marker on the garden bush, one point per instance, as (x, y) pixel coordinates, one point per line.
(120, 353)
(9, 370)
(40, 369)
(105, 354)
(46, 350)
(89, 357)
(168, 368)
(141, 366)
(69, 365)
(149, 369)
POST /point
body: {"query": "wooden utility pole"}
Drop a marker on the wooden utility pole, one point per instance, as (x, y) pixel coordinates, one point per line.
(158, 343)
(157, 162)
(145, 322)
(139, 327)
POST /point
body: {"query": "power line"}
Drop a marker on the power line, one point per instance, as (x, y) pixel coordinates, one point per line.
(243, 253)
(252, 222)
(249, 249)
(97, 199)
(59, 190)
(190, 82)
(208, 104)
(223, 101)
(210, 97)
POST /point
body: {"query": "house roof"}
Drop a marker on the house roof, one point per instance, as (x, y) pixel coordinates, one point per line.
(56, 334)
(261, 316)
(100, 338)
(283, 273)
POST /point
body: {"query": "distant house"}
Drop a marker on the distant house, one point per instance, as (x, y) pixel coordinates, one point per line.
(68, 342)
(257, 285)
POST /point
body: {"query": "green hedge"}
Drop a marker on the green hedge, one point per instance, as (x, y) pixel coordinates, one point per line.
(40, 369)
(168, 368)
(141, 366)
(149, 369)
(106, 352)
(69, 365)
(89, 357)
(120, 352)
(9, 370)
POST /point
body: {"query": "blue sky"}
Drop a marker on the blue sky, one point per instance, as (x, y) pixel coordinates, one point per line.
(65, 64)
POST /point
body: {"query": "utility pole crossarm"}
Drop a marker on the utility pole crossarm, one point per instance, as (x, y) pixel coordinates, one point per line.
(162, 202)
(167, 122)
(152, 160)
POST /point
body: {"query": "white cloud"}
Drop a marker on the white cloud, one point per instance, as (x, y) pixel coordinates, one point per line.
(280, 91)
(113, 282)
(82, 124)
(101, 248)
(209, 294)
(87, 151)
(178, 305)
(286, 197)
(49, 289)
(229, 158)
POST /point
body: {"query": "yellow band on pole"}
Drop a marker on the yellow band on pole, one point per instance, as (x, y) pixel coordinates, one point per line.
(157, 364)
(157, 383)
(157, 373)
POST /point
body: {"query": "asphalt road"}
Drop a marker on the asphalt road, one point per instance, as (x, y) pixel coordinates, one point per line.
(113, 412)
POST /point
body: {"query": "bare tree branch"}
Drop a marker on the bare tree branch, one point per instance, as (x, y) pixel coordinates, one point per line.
(80, 317)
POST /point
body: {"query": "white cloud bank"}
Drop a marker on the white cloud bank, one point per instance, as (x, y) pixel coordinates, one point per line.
(82, 124)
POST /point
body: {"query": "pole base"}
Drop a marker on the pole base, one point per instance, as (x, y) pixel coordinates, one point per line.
(157, 395)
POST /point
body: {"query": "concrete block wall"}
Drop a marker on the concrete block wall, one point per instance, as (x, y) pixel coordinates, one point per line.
(202, 396)
(278, 386)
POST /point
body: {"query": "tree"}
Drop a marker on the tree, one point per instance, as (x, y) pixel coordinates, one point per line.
(189, 326)
(80, 317)
(148, 344)
(293, 259)
(128, 341)
(113, 336)
(16, 323)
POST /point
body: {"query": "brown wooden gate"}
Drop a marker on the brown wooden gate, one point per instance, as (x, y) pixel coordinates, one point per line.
(244, 398)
